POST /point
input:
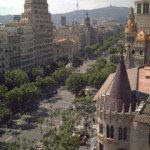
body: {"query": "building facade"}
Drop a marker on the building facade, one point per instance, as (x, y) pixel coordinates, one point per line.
(123, 110)
(137, 29)
(37, 16)
(17, 48)
(65, 48)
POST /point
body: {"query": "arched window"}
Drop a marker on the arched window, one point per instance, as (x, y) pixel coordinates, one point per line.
(101, 128)
(112, 132)
(108, 132)
(120, 133)
(125, 133)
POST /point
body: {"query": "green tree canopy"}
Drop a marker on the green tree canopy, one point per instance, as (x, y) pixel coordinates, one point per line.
(76, 83)
(15, 78)
(77, 61)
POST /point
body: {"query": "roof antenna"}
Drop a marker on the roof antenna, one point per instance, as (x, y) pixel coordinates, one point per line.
(77, 5)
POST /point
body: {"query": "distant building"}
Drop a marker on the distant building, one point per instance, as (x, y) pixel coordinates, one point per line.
(123, 110)
(17, 18)
(66, 43)
(65, 48)
(94, 22)
(63, 20)
(90, 33)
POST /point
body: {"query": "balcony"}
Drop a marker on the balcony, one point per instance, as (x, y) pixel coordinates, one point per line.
(106, 140)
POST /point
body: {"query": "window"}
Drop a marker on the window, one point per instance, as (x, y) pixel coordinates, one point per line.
(101, 128)
(145, 8)
(120, 133)
(139, 8)
(101, 147)
(132, 39)
(125, 133)
(141, 52)
(133, 52)
(112, 132)
(108, 131)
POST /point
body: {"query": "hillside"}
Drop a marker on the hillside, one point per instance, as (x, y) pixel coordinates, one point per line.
(101, 14)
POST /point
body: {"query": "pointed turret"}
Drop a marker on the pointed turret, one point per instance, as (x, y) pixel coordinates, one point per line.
(121, 93)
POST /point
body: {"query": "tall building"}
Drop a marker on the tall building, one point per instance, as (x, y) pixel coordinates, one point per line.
(17, 48)
(90, 33)
(63, 20)
(137, 35)
(36, 15)
(123, 110)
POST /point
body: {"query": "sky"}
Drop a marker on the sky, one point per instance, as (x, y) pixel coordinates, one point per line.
(11, 7)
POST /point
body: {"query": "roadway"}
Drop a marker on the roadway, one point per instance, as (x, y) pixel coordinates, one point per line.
(33, 131)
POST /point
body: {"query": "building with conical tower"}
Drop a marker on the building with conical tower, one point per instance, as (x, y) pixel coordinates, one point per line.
(90, 33)
(137, 32)
(123, 110)
(36, 15)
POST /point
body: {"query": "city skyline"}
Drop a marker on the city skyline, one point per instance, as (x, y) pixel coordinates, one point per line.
(7, 7)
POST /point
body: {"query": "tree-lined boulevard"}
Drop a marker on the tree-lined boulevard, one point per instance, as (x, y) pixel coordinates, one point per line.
(48, 107)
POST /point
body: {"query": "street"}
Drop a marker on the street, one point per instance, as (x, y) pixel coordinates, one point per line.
(27, 125)
(31, 130)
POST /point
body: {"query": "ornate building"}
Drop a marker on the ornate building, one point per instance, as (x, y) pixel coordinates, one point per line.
(90, 34)
(36, 14)
(123, 110)
(137, 31)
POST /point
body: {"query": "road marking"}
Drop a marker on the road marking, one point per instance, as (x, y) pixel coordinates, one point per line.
(9, 139)
(62, 93)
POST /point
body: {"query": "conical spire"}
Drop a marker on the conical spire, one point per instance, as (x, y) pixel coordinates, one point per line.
(120, 93)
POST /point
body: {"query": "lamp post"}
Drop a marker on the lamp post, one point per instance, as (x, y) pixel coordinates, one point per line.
(51, 106)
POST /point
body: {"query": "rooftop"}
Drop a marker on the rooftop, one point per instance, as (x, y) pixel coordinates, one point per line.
(144, 80)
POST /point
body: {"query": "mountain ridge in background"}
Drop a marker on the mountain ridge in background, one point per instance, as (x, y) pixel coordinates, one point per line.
(100, 14)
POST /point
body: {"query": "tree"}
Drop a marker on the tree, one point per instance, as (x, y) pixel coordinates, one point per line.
(14, 99)
(62, 61)
(65, 137)
(61, 75)
(15, 78)
(77, 61)
(115, 59)
(46, 84)
(5, 113)
(37, 71)
(3, 91)
(30, 95)
(76, 83)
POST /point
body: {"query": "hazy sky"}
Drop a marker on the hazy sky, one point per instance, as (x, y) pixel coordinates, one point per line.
(61, 6)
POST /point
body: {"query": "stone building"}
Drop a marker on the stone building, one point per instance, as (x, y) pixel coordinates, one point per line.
(37, 16)
(66, 42)
(16, 48)
(90, 34)
(65, 48)
(123, 110)
(137, 37)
